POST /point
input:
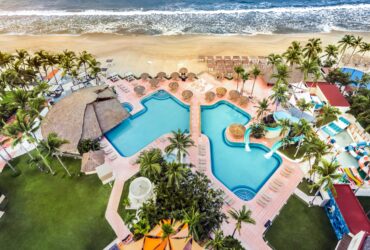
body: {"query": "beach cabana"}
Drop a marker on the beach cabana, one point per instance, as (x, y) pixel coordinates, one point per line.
(91, 160)
(175, 76)
(144, 76)
(161, 76)
(139, 90)
(210, 96)
(234, 95)
(191, 76)
(173, 86)
(221, 92)
(187, 94)
(154, 83)
(183, 71)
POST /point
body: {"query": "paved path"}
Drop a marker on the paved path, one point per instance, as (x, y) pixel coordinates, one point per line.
(307, 198)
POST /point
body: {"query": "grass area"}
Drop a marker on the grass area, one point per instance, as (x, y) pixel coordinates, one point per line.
(53, 212)
(304, 186)
(121, 208)
(290, 150)
(365, 202)
(301, 227)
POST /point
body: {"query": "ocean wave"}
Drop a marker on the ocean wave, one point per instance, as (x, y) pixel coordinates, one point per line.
(183, 11)
(189, 21)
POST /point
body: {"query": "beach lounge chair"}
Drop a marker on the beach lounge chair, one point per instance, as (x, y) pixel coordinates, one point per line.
(112, 157)
(1, 214)
(272, 186)
(2, 198)
(278, 182)
(108, 151)
(202, 161)
(261, 203)
(285, 173)
(265, 197)
(230, 201)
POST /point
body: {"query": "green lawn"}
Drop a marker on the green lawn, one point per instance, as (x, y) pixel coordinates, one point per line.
(304, 186)
(53, 212)
(300, 227)
(121, 208)
(365, 202)
(290, 150)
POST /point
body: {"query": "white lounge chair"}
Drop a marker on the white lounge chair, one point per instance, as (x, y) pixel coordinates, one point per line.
(2, 198)
(1, 214)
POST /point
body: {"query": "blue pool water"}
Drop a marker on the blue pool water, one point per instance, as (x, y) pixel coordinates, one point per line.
(355, 75)
(162, 114)
(127, 106)
(242, 172)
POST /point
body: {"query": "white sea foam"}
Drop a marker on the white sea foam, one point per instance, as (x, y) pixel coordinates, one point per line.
(62, 13)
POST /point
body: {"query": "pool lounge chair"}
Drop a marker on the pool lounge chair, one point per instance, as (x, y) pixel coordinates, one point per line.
(1, 214)
(108, 151)
(112, 157)
(274, 187)
(133, 160)
(265, 197)
(262, 202)
(285, 173)
(202, 161)
(278, 182)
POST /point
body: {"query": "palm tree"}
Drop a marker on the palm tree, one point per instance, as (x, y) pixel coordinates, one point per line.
(285, 141)
(262, 108)
(312, 49)
(285, 125)
(17, 138)
(328, 113)
(293, 54)
(296, 46)
(179, 142)
(142, 227)
(307, 67)
(150, 163)
(95, 70)
(192, 219)
(303, 106)
(274, 60)
(84, 59)
(245, 77)
(303, 129)
(167, 230)
(239, 71)
(357, 41)
(256, 72)
(218, 241)
(6, 60)
(328, 173)
(52, 60)
(331, 54)
(279, 95)
(241, 216)
(344, 43)
(175, 174)
(364, 48)
(52, 145)
(281, 75)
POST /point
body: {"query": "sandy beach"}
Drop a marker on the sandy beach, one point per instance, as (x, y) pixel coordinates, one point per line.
(162, 53)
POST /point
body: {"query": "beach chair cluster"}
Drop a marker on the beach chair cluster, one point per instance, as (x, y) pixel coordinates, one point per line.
(202, 160)
(335, 127)
(224, 65)
(274, 185)
(356, 61)
(108, 151)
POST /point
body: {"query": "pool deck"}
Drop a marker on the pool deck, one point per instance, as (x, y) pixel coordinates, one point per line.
(123, 168)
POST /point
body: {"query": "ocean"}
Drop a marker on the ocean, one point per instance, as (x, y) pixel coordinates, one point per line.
(175, 17)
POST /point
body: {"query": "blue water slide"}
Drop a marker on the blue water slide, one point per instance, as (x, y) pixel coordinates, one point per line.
(353, 147)
(246, 139)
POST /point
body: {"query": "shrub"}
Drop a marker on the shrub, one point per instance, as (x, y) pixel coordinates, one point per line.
(257, 130)
(88, 144)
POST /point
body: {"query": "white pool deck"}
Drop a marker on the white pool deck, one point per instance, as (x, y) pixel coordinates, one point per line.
(251, 235)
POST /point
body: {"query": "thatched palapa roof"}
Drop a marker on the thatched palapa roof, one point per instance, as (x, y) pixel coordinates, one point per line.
(183, 71)
(191, 76)
(144, 76)
(85, 114)
(91, 160)
(187, 94)
(221, 91)
(173, 86)
(139, 90)
(175, 76)
(234, 95)
(210, 96)
(154, 83)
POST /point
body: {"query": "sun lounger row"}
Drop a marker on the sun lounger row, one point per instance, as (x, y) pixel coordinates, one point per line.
(287, 171)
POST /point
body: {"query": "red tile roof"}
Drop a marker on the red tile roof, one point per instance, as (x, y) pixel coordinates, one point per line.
(351, 209)
(331, 92)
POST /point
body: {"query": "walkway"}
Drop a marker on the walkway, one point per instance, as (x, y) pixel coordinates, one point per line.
(307, 198)
(195, 123)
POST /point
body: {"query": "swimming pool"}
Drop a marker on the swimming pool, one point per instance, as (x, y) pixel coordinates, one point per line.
(244, 173)
(355, 75)
(162, 113)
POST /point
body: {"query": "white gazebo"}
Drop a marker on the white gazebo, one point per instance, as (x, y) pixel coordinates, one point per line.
(141, 189)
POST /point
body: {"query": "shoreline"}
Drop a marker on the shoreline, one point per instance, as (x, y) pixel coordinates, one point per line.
(148, 53)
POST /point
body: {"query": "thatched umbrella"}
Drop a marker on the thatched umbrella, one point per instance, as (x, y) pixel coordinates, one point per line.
(243, 100)
(191, 76)
(144, 76)
(173, 86)
(219, 76)
(154, 83)
(187, 94)
(237, 131)
(221, 92)
(161, 76)
(175, 76)
(91, 160)
(210, 96)
(234, 95)
(183, 71)
(139, 90)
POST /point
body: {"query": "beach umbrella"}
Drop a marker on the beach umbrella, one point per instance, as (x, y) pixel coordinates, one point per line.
(173, 86)
(175, 76)
(191, 76)
(243, 100)
(139, 90)
(183, 71)
(221, 92)
(161, 76)
(154, 83)
(144, 76)
(187, 94)
(234, 95)
(210, 96)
